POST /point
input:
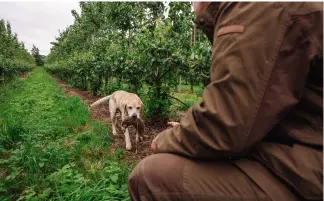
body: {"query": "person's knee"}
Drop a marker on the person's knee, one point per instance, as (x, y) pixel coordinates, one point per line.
(156, 174)
(155, 166)
(133, 180)
(133, 177)
(145, 167)
(136, 183)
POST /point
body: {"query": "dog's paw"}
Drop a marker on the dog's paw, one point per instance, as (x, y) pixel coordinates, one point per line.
(115, 133)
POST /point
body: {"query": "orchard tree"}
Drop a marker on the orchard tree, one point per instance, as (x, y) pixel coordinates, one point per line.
(130, 46)
(38, 57)
(14, 58)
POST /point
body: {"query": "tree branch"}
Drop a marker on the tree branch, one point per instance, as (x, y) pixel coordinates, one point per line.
(178, 100)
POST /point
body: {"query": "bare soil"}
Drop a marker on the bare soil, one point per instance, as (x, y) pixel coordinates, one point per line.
(102, 114)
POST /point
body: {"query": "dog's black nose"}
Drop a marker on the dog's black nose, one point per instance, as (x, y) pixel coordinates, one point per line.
(134, 116)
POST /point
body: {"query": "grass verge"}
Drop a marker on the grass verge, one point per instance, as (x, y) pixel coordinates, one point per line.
(51, 150)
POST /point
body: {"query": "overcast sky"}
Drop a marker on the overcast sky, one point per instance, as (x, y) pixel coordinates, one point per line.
(38, 22)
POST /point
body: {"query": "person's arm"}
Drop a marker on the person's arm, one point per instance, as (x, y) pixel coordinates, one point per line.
(256, 78)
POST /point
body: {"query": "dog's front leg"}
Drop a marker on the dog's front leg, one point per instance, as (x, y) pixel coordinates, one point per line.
(127, 138)
(112, 109)
(137, 140)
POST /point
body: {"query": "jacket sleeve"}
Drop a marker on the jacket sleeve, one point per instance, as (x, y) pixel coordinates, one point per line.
(256, 78)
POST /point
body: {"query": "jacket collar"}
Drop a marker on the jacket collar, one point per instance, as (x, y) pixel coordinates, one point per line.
(207, 19)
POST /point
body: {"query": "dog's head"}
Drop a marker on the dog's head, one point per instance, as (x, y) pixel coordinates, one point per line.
(134, 109)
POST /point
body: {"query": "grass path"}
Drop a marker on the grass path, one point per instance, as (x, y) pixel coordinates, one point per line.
(51, 150)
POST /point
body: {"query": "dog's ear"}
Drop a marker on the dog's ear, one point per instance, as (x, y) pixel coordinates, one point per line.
(142, 110)
(125, 107)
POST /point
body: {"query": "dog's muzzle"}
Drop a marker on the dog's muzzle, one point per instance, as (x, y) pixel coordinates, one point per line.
(134, 116)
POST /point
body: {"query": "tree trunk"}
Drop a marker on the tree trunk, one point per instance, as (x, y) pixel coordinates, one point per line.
(85, 83)
(3, 77)
(194, 35)
(106, 80)
(158, 92)
(179, 87)
(191, 85)
(129, 39)
(193, 43)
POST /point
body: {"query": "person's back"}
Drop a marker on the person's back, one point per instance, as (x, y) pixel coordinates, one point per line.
(263, 111)
(293, 148)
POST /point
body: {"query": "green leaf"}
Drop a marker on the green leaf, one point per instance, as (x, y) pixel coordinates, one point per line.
(46, 192)
(114, 178)
(41, 164)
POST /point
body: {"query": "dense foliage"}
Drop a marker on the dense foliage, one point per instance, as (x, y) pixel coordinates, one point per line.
(111, 43)
(39, 59)
(14, 58)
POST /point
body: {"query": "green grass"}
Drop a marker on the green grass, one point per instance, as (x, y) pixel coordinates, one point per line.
(187, 89)
(51, 150)
(188, 98)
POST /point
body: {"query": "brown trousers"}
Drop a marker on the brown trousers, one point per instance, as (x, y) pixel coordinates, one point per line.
(171, 177)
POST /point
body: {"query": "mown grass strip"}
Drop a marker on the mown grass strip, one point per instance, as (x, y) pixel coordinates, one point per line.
(51, 150)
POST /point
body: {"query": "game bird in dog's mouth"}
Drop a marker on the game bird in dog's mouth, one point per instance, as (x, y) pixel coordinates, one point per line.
(128, 104)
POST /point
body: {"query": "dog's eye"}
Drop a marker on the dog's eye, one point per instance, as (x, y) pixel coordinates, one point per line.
(130, 108)
(138, 108)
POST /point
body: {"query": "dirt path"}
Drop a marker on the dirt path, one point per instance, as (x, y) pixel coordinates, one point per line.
(102, 114)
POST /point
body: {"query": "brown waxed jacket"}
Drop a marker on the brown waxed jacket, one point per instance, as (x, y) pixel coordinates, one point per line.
(264, 101)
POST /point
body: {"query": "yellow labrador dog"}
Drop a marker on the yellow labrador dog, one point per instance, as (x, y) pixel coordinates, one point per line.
(128, 104)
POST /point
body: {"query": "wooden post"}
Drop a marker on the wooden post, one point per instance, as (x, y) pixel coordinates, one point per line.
(193, 44)
(179, 87)
(3, 77)
(194, 35)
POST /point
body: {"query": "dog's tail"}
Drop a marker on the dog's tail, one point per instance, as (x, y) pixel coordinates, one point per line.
(100, 101)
